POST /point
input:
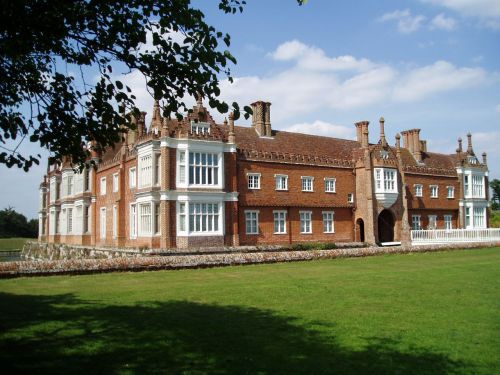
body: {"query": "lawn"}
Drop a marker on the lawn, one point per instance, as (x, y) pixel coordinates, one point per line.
(429, 313)
(13, 243)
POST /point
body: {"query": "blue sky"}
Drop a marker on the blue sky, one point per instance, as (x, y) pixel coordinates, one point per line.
(431, 64)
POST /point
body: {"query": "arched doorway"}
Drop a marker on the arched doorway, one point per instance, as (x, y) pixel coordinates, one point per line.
(385, 226)
(360, 230)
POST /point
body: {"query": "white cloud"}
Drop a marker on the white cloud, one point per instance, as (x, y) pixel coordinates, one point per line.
(487, 11)
(438, 77)
(478, 8)
(327, 129)
(443, 23)
(407, 23)
(313, 58)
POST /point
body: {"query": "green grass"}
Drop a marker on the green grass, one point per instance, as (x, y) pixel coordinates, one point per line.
(13, 243)
(429, 313)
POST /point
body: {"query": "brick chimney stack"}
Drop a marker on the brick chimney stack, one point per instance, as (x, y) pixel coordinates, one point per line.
(383, 141)
(485, 160)
(231, 136)
(362, 132)
(469, 144)
(261, 119)
(411, 141)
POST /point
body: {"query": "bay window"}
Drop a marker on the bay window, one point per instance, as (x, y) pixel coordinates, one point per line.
(203, 168)
(199, 218)
(385, 180)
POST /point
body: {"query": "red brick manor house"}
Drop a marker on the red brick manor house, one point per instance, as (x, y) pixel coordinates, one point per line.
(193, 183)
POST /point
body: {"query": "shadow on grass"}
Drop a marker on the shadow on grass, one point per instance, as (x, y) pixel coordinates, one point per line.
(62, 334)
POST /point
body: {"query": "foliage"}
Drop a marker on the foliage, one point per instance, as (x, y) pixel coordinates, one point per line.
(433, 313)
(313, 246)
(45, 45)
(14, 224)
(495, 219)
(495, 197)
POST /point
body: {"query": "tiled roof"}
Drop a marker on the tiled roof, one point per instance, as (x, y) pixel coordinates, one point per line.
(295, 147)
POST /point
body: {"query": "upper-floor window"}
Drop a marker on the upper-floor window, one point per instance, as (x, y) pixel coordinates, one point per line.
(281, 182)
(477, 186)
(115, 182)
(253, 180)
(330, 185)
(182, 167)
(307, 183)
(434, 191)
(451, 191)
(418, 190)
(350, 198)
(132, 177)
(385, 180)
(69, 185)
(466, 185)
(103, 186)
(200, 127)
(145, 170)
(203, 168)
(157, 173)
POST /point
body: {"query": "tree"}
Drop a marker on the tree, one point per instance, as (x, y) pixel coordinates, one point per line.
(14, 224)
(43, 102)
(495, 198)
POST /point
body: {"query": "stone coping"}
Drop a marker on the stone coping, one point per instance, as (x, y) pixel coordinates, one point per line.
(150, 263)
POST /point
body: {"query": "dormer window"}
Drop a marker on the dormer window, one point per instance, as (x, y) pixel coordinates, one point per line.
(472, 160)
(200, 128)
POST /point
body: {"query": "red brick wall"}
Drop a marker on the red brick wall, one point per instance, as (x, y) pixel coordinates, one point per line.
(424, 217)
(442, 202)
(345, 184)
(343, 226)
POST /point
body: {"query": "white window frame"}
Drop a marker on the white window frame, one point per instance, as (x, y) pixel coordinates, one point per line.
(479, 217)
(102, 223)
(133, 220)
(448, 222)
(157, 219)
(307, 183)
(434, 189)
(145, 164)
(253, 181)
(115, 221)
(132, 177)
(328, 217)
(145, 219)
(432, 218)
(200, 127)
(102, 186)
(199, 147)
(252, 222)
(419, 190)
(350, 198)
(416, 222)
(386, 180)
(451, 192)
(305, 222)
(69, 185)
(157, 169)
(280, 221)
(195, 216)
(213, 169)
(330, 185)
(115, 182)
(281, 181)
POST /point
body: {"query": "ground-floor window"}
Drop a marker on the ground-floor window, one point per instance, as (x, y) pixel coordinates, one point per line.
(103, 222)
(432, 222)
(157, 218)
(133, 220)
(479, 217)
(448, 223)
(279, 222)
(199, 218)
(305, 221)
(252, 222)
(145, 219)
(69, 220)
(416, 223)
(328, 225)
(467, 217)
